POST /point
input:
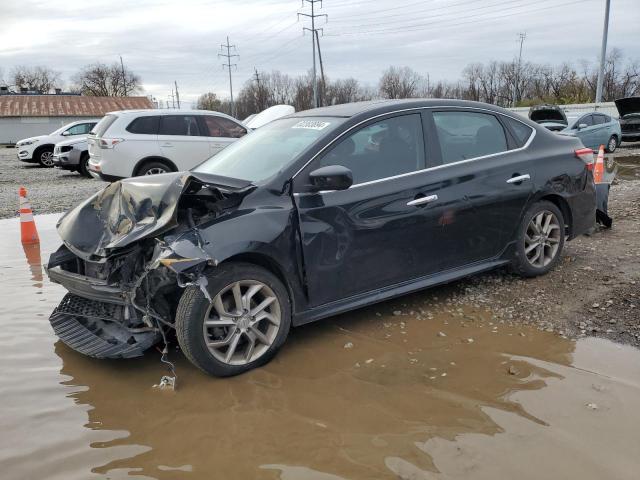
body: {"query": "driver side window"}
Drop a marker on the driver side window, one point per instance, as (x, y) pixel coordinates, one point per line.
(79, 129)
(386, 148)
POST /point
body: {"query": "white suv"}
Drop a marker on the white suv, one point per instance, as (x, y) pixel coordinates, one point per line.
(40, 149)
(146, 142)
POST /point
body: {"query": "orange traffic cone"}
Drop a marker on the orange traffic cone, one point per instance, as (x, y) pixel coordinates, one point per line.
(598, 169)
(28, 230)
(32, 252)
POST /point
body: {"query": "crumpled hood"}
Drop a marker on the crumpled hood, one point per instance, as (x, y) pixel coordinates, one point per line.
(628, 105)
(132, 209)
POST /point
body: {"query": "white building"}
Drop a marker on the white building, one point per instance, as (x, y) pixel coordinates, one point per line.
(23, 115)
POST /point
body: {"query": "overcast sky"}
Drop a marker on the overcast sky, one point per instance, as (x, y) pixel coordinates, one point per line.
(164, 41)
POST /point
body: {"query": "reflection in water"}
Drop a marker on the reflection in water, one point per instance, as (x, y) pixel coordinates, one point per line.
(318, 408)
(422, 395)
(32, 252)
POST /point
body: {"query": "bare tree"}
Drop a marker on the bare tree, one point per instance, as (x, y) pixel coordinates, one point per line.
(400, 82)
(209, 101)
(40, 79)
(107, 80)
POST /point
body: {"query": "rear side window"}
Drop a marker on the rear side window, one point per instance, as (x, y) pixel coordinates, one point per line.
(521, 132)
(223, 127)
(184, 125)
(599, 119)
(587, 120)
(144, 125)
(463, 135)
(103, 125)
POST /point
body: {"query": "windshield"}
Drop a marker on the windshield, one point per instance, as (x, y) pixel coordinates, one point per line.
(268, 150)
(571, 121)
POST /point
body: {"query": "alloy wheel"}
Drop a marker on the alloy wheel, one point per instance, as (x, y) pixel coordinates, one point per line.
(46, 158)
(542, 239)
(613, 143)
(156, 171)
(242, 322)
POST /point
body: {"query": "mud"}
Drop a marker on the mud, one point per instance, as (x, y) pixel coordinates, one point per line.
(416, 388)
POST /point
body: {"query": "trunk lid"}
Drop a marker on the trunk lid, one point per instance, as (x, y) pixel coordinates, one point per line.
(547, 113)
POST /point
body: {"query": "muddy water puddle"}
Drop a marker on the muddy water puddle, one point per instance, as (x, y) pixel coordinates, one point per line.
(628, 167)
(420, 394)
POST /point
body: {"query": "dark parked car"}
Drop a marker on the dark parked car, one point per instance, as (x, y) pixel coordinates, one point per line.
(314, 214)
(629, 110)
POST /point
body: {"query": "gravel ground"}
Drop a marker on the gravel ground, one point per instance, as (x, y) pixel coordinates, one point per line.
(595, 290)
(50, 190)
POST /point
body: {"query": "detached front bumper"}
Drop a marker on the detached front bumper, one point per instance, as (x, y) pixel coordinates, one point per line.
(87, 287)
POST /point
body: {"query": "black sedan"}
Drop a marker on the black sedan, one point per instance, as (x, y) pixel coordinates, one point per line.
(315, 214)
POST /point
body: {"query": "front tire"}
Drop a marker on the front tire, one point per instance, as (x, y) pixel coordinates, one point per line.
(244, 325)
(540, 241)
(612, 144)
(45, 157)
(83, 167)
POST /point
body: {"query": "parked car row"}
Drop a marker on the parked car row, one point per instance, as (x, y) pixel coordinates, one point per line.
(593, 128)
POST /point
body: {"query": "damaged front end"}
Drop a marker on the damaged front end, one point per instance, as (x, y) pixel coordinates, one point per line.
(128, 253)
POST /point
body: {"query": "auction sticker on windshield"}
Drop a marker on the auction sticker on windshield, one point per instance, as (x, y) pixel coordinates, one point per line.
(312, 125)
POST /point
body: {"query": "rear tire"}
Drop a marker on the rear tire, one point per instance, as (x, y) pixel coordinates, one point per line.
(154, 167)
(234, 332)
(612, 144)
(83, 167)
(45, 157)
(540, 240)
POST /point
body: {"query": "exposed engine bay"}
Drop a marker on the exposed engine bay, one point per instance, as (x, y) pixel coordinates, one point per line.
(128, 253)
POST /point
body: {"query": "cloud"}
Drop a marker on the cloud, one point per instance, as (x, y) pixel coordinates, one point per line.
(167, 41)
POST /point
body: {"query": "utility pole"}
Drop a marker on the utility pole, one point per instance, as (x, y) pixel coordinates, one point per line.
(257, 75)
(173, 100)
(177, 94)
(313, 40)
(603, 51)
(321, 69)
(124, 77)
(521, 36)
(228, 65)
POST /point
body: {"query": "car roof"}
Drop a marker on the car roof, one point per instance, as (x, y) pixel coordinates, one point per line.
(373, 107)
(171, 111)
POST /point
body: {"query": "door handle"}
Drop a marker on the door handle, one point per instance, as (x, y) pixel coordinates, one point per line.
(519, 178)
(422, 201)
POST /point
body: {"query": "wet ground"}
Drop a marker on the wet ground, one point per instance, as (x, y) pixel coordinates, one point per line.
(413, 389)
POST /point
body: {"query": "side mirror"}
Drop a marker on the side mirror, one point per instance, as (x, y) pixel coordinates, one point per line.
(582, 125)
(331, 177)
(66, 134)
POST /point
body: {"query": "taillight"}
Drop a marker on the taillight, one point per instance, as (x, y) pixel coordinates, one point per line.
(109, 142)
(586, 155)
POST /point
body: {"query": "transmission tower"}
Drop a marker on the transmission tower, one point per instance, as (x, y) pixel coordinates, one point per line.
(229, 65)
(313, 31)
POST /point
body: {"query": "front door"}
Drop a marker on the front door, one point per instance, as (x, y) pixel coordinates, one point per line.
(222, 132)
(181, 141)
(370, 235)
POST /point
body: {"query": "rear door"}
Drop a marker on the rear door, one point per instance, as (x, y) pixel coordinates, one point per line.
(221, 132)
(601, 130)
(483, 183)
(182, 140)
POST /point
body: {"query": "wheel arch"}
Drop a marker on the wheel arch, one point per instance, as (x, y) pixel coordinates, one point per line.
(39, 148)
(153, 158)
(269, 264)
(560, 202)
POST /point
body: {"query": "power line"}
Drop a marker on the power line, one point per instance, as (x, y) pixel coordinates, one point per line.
(228, 65)
(475, 19)
(313, 31)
